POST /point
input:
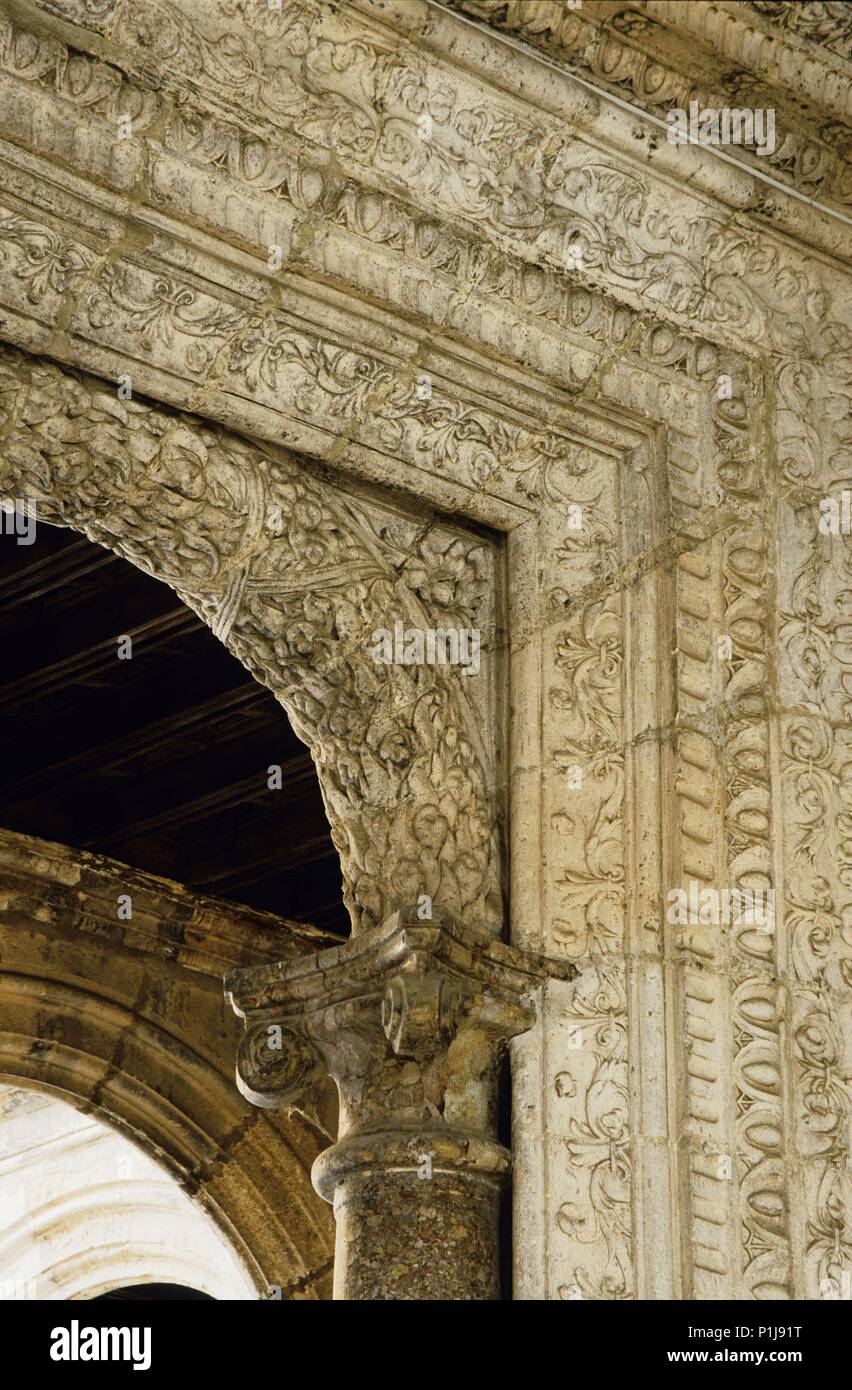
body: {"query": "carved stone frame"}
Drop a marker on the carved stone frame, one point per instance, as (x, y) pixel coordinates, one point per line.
(695, 772)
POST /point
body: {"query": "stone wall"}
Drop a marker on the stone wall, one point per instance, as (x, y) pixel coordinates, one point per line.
(124, 1018)
(443, 265)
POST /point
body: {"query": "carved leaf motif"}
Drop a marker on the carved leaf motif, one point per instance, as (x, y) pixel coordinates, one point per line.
(293, 577)
(48, 263)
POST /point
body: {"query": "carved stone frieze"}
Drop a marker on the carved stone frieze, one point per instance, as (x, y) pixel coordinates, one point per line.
(646, 433)
(827, 22)
(627, 236)
(636, 56)
(815, 679)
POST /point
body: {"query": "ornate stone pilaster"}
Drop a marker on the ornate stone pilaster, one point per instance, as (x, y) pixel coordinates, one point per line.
(410, 1020)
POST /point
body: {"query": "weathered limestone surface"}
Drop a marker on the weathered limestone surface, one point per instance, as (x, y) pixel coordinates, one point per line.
(410, 1021)
(294, 577)
(351, 233)
(126, 1020)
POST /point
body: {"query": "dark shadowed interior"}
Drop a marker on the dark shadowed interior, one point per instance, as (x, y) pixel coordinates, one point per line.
(161, 761)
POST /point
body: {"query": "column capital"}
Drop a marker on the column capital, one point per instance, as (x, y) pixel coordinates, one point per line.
(407, 989)
(410, 1019)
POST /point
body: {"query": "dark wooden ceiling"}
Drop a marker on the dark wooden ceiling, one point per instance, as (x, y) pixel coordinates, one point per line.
(160, 761)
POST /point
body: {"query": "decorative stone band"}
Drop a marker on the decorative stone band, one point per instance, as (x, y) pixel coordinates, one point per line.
(448, 1152)
(410, 1020)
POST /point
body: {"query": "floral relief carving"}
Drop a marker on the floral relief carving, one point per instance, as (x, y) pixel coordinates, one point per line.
(358, 94)
(293, 578)
(271, 352)
(40, 258)
(813, 414)
(327, 381)
(640, 72)
(161, 310)
(826, 22)
(593, 1218)
(755, 956)
(326, 115)
(589, 659)
(599, 1142)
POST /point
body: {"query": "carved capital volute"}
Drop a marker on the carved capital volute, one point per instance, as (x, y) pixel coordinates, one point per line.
(410, 1020)
(410, 989)
(276, 1067)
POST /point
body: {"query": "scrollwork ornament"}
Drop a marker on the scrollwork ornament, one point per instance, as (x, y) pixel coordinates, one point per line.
(275, 1067)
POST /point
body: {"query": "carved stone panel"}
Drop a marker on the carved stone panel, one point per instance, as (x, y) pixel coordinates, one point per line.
(520, 366)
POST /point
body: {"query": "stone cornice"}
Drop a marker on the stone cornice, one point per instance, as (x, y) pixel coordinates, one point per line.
(78, 890)
(623, 51)
(405, 943)
(771, 38)
(311, 203)
(827, 23)
(350, 112)
(741, 35)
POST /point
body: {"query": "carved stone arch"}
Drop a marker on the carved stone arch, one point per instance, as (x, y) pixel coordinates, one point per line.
(295, 576)
(128, 1024)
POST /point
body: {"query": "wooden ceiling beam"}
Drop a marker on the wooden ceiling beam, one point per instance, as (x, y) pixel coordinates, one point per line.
(87, 665)
(137, 742)
(164, 807)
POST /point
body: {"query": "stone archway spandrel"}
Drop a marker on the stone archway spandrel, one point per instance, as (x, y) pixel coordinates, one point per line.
(296, 580)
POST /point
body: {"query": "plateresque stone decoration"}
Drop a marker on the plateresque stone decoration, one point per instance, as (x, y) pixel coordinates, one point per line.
(424, 318)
